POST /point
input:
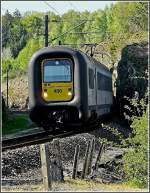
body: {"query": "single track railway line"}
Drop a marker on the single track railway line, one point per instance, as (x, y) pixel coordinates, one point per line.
(41, 137)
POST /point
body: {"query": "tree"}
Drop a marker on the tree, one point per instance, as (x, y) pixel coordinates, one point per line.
(25, 54)
(139, 18)
(7, 21)
(18, 38)
(72, 18)
(34, 25)
(13, 32)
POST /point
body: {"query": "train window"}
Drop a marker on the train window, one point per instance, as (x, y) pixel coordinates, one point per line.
(91, 78)
(57, 70)
(99, 81)
(103, 82)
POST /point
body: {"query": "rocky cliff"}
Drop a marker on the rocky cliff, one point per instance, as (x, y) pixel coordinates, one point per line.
(132, 71)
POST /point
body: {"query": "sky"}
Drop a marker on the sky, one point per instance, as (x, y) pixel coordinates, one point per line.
(60, 7)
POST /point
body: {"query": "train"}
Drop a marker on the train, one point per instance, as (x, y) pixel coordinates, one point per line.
(68, 88)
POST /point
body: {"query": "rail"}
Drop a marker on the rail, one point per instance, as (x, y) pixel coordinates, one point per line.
(41, 137)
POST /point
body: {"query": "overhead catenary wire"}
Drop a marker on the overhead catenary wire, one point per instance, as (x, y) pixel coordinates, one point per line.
(64, 20)
(72, 5)
(84, 32)
(69, 20)
(68, 31)
(52, 7)
(81, 44)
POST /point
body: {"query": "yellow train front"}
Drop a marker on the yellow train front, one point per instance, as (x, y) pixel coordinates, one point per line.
(59, 88)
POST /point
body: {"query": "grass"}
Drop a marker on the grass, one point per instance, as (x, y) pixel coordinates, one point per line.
(78, 185)
(89, 185)
(15, 124)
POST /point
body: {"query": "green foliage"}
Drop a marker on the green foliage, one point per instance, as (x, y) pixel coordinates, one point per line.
(7, 63)
(115, 45)
(33, 24)
(25, 55)
(7, 20)
(72, 18)
(14, 33)
(20, 64)
(129, 17)
(136, 160)
(140, 20)
(18, 39)
(15, 124)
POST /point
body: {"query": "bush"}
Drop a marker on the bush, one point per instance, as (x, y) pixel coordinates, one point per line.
(136, 160)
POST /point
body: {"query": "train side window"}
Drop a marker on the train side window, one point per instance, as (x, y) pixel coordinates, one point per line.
(91, 78)
(103, 82)
(100, 81)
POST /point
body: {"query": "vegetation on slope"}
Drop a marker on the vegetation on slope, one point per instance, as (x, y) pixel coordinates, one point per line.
(136, 160)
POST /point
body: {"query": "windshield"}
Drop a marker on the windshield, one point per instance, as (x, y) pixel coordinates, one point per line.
(57, 70)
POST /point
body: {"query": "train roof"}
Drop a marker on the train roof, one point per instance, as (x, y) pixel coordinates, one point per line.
(58, 48)
(97, 62)
(71, 50)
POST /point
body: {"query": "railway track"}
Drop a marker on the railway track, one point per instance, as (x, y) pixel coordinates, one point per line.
(40, 137)
(32, 139)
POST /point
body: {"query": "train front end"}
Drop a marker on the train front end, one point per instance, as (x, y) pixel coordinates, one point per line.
(57, 80)
(54, 88)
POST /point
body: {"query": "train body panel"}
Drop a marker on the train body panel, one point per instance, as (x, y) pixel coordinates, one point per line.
(104, 91)
(54, 92)
(100, 95)
(64, 87)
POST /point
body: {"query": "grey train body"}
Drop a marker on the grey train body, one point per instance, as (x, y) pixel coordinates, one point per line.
(92, 84)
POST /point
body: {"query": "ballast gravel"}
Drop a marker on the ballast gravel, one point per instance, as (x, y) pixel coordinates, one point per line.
(22, 160)
(24, 163)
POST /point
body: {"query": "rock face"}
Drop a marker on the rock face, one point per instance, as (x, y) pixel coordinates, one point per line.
(132, 70)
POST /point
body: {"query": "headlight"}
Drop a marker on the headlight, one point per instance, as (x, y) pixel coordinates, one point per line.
(69, 93)
(45, 94)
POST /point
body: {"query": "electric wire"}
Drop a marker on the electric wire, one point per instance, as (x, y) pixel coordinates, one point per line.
(72, 5)
(52, 7)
